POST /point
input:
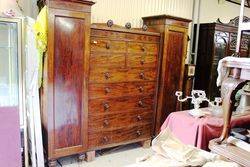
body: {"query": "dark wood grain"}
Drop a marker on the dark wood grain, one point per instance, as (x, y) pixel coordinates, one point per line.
(117, 104)
(120, 89)
(67, 83)
(109, 121)
(118, 136)
(174, 32)
(118, 75)
(64, 93)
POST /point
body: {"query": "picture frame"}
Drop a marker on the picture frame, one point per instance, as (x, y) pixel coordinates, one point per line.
(247, 2)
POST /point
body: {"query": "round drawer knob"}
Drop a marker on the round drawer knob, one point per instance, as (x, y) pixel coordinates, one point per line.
(106, 123)
(143, 48)
(106, 106)
(142, 76)
(142, 62)
(110, 23)
(139, 118)
(94, 42)
(107, 90)
(140, 103)
(138, 133)
(107, 75)
(105, 139)
(141, 89)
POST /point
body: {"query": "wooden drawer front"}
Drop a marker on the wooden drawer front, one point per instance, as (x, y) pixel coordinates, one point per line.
(103, 138)
(120, 89)
(121, 75)
(114, 60)
(108, 34)
(119, 104)
(118, 120)
(124, 36)
(141, 60)
(103, 45)
(142, 48)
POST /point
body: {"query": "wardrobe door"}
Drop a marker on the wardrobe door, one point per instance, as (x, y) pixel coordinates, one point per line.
(67, 81)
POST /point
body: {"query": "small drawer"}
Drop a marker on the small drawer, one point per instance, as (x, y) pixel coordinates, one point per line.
(108, 34)
(142, 48)
(120, 89)
(116, 105)
(106, 75)
(142, 38)
(111, 60)
(141, 74)
(142, 60)
(104, 45)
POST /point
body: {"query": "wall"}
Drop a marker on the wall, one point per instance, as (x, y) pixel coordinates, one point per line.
(122, 11)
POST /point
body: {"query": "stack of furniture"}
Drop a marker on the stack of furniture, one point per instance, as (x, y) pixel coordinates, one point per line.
(101, 81)
(216, 41)
(174, 31)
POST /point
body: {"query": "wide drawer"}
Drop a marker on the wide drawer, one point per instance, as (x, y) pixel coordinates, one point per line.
(106, 75)
(97, 106)
(120, 89)
(118, 136)
(142, 60)
(124, 36)
(134, 47)
(113, 121)
(105, 45)
(111, 60)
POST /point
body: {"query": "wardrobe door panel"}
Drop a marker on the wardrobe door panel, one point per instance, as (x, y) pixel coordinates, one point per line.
(68, 83)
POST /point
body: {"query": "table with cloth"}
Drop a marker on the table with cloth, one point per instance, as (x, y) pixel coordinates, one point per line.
(199, 131)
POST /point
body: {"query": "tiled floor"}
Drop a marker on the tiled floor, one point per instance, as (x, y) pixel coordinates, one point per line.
(116, 157)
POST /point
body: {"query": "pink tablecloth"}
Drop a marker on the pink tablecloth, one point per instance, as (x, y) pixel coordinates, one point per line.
(199, 131)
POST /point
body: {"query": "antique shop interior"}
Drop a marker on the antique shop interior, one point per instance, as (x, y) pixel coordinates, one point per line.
(124, 83)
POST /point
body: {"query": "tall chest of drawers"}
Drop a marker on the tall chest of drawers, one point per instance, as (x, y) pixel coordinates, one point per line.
(123, 74)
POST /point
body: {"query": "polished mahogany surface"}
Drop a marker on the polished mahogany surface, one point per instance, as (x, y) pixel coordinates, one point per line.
(68, 84)
(64, 93)
(174, 32)
(122, 85)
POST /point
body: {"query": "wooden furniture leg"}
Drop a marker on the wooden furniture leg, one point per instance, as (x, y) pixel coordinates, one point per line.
(90, 156)
(52, 163)
(81, 157)
(230, 86)
(146, 144)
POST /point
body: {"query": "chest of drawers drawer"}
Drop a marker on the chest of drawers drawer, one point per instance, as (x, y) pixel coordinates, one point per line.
(118, 120)
(142, 60)
(106, 45)
(114, 137)
(120, 104)
(120, 89)
(134, 47)
(123, 36)
(101, 60)
(106, 75)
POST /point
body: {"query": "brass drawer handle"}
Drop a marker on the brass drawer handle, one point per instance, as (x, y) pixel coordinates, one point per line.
(107, 75)
(141, 103)
(138, 133)
(106, 106)
(105, 139)
(141, 89)
(107, 90)
(106, 123)
(139, 118)
(142, 75)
